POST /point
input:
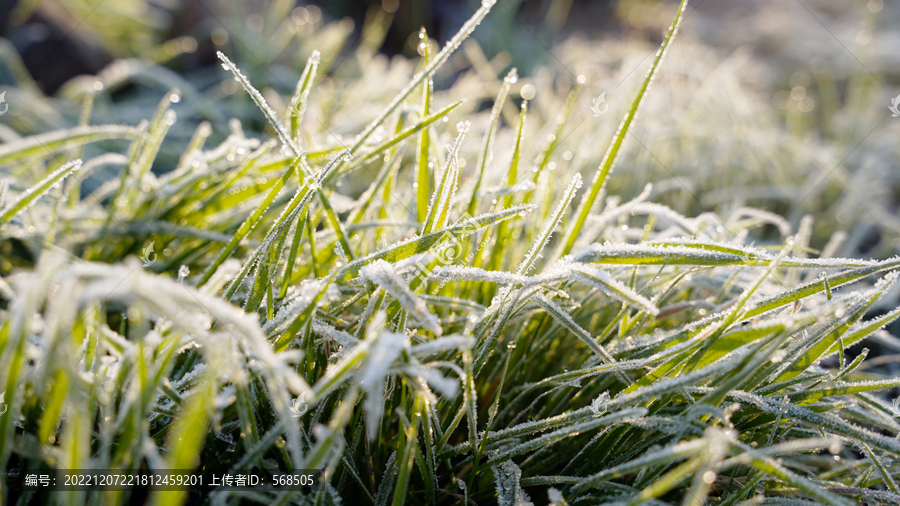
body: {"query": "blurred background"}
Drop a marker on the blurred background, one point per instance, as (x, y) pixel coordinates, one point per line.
(59, 40)
(781, 105)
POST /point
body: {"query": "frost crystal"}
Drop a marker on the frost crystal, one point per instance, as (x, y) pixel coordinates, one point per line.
(385, 349)
(597, 405)
(506, 480)
(382, 274)
(257, 97)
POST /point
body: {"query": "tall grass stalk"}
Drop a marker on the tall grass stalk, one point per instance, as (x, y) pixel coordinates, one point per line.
(409, 314)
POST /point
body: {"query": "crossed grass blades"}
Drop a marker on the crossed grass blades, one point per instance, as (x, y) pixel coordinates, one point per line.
(465, 361)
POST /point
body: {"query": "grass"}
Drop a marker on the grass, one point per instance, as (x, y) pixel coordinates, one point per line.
(502, 338)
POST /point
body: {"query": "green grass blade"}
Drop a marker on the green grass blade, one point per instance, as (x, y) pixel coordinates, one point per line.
(882, 469)
(187, 439)
(544, 237)
(299, 101)
(772, 468)
(407, 453)
(813, 287)
(439, 59)
(423, 174)
(810, 396)
(249, 223)
(48, 144)
(32, 194)
(421, 244)
(441, 199)
(257, 97)
(609, 159)
(503, 234)
(485, 156)
(422, 128)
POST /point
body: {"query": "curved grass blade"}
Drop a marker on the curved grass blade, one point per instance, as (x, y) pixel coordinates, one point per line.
(48, 144)
(816, 286)
(382, 274)
(421, 244)
(30, 195)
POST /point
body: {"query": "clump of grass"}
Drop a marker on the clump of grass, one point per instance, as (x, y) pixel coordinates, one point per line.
(495, 344)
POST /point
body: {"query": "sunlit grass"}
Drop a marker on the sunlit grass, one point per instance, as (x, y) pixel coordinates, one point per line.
(468, 326)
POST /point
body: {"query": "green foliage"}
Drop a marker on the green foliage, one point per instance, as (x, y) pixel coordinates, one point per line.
(655, 368)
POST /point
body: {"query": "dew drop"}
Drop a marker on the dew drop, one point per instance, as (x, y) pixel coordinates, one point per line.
(836, 446)
(527, 92)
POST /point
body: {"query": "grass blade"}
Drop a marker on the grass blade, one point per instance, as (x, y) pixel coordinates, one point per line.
(609, 159)
(32, 194)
